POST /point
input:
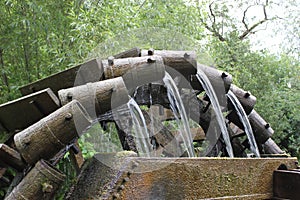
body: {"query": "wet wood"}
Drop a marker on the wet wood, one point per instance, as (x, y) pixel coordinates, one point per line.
(286, 184)
(246, 99)
(177, 62)
(40, 183)
(90, 71)
(135, 71)
(270, 147)
(134, 52)
(261, 129)
(99, 97)
(51, 134)
(25, 111)
(10, 158)
(220, 81)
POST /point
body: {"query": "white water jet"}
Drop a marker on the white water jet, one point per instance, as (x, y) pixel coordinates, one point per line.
(204, 81)
(179, 112)
(245, 121)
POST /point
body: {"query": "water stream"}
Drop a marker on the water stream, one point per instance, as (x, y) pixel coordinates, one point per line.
(244, 119)
(139, 124)
(204, 81)
(179, 112)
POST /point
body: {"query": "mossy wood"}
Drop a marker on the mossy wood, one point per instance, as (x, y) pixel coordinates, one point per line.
(40, 183)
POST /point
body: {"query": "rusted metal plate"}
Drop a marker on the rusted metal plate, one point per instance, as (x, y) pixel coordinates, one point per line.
(286, 184)
(90, 71)
(181, 178)
(25, 111)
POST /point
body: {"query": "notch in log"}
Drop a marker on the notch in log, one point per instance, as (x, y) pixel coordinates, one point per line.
(51, 134)
(25, 111)
(11, 158)
(90, 71)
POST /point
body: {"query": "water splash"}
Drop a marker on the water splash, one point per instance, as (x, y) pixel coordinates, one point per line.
(244, 119)
(178, 109)
(204, 81)
(141, 131)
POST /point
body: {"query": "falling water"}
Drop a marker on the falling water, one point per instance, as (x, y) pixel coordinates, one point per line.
(204, 81)
(244, 119)
(179, 114)
(141, 131)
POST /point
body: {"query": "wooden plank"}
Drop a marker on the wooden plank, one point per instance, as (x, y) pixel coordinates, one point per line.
(90, 71)
(10, 158)
(76, 156)
(18, 114)
(286, 184)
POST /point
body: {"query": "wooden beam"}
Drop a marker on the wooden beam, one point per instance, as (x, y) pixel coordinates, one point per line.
(10, 158)
(18, 114)
(90, 71)
(134, 52)
(286, 184)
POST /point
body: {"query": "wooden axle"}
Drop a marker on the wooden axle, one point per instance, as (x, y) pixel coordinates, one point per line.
(51, 134)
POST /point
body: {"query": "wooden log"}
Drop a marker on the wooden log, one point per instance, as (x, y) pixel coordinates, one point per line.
(10, 158)
(183, 62)
(97, 98)
(261, 129)
(246, 99)
(41, 182)
(25, 111)
(134, 52)
(51, 134)
(90, 71)
(135, 71)
(270, 147)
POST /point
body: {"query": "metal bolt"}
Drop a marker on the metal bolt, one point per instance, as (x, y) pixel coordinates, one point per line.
(151, 60)
(150, 52)
(68, 116)
(267, 126)
(69, 96)
(110, 60)
(186, 55)
(224, 75)
(247, 94)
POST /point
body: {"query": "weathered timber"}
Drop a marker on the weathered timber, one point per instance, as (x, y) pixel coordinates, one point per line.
(99, 175)
(48, 136)
(76, 156)
(286, 184)
(90, 71)
(246, 99)
(183, 62)
(134, 52)
(261, 129)
(25, 111)
(179, 178)
(135, 71)
(220, 81)
(270, 147)
(99, 97)
(40, 183)
(10, 158)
